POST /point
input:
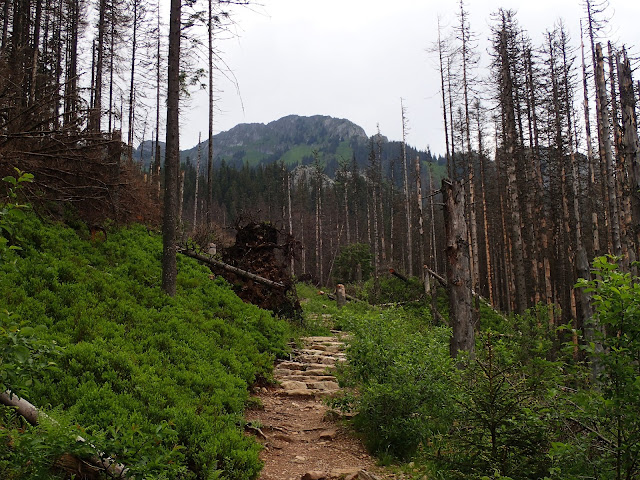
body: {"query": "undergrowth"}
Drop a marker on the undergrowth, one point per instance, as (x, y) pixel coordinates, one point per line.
(522, 406)
(157, 383)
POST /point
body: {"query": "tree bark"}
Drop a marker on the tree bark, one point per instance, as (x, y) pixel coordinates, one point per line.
(630, 146)
(31, 414)
(172, 159)
(510, 147)
(230, 268)
(209, 202)
(195, 193)
(605, 141)
(407, 207)
(458, 269)
(592, 167)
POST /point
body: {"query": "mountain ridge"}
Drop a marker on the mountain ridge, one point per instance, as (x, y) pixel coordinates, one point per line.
(292, 140)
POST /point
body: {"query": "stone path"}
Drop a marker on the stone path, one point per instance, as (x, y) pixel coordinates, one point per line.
(302, 440)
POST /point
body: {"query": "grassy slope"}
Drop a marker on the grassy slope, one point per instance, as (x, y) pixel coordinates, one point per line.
(133, 356)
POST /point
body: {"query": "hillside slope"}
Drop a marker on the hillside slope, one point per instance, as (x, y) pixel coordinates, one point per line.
(160, 383)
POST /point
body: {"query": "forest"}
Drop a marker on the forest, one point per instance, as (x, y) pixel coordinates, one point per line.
(510, 261)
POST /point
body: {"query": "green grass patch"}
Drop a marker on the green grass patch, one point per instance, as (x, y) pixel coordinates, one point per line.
(294, 155)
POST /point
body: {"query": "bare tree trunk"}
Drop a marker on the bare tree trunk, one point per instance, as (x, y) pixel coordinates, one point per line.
(375, 237)
(485, 222)
(600, 104)
(172, 155)
(592, 168)
(458, 270)
(506, 99)
(112, 41)
(346, 209)
(466, 64)
(423, 276)
(605, 140)
(210, 144)
(630, 146)
(195, 194)
(156, 153)
(291, 254)
(434, 254)
(181, 196)
(407, 207)
(134, 51)
(392, 200)
(444, 103)
(581, 261)
(96, 114)
(36, 51)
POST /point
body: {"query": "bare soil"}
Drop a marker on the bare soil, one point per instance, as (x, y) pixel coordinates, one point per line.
(302, 438)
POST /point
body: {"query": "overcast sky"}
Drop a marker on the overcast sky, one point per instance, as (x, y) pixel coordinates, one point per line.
(355, 59)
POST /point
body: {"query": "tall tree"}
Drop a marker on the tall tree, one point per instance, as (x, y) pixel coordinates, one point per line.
(172, 160)
(407, 205)
(505, 35)
(468, 62)
(458, 269)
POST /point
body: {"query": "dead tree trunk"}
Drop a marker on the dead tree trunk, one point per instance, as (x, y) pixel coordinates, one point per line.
(407, 207)
(195, 194)
(630, 147)
(421, 242)
(592, 169)
(605, 140)
(458, 269)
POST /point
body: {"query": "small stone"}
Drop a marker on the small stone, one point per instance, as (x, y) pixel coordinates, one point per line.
(328, 435)
(305, 392)
(299, 459)
(314, 476)
(364, 475)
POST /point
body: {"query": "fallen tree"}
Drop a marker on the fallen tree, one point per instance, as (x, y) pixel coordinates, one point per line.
(212, 262)
(95, 463)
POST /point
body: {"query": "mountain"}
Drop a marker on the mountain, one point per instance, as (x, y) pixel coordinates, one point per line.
(291, 140)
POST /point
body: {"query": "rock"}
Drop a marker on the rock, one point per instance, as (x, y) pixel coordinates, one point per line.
(314, 476)
(283, 438)
(328, 435)
(293, 385)
(364, 475)
(299, 459)
(325, 386)
(302, 392)
(290, 366)
(344, 473)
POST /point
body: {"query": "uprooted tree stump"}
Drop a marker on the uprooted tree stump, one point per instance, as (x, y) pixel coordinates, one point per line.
(263, 250)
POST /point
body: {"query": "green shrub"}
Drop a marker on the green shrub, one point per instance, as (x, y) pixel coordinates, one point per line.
(399, 365)
(159, 383)
(393, 290)
(606, 416)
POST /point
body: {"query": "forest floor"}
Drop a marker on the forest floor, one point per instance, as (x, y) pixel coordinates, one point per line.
(303, 439)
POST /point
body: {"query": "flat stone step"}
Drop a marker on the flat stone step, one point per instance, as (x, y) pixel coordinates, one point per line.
(291, 365)
(316, 371)
(324, 386)
(311, 378)
(316, 359)
(319, 339)
(319, 353)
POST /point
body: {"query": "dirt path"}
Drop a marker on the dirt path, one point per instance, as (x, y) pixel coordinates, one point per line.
(301, 440)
